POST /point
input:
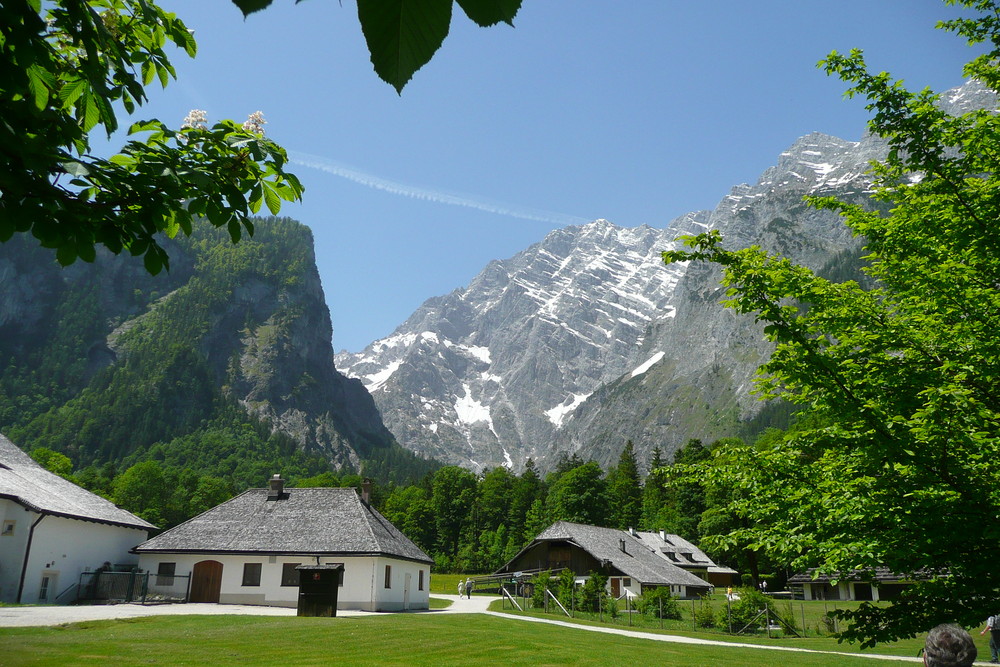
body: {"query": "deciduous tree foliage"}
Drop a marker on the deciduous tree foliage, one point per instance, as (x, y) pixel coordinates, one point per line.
(64, 68)
(403, 35)
(67, 65)
(900, 466)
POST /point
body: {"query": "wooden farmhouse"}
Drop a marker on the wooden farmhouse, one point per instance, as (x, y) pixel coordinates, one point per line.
(246, 551)
(53, 531)
(631, 566)
(687, 556)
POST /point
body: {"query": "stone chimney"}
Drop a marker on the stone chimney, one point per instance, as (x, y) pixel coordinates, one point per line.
(366, 491)
(276, 488)
(621, 544)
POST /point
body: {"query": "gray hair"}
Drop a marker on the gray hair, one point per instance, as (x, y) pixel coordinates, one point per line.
(948, 645)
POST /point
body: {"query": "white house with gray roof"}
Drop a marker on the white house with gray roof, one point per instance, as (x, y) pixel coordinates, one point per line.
(630, 565)
(52, 531)
(245, 550)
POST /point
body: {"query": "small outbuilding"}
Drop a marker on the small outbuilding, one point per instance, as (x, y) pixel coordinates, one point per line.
(250, 550)
(53, 531)
(878, 585)
(631, 566)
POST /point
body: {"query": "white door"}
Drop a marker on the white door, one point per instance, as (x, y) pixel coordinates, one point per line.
(406, 592)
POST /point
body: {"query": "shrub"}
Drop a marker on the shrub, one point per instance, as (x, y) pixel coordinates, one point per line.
(566, 589)
(540, 583)
(704, 615)
(658, 603)
(592, 593)
(743, 611)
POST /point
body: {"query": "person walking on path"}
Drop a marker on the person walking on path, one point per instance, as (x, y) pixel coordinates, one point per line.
(468, 587)
(993, 625)
(461, 587)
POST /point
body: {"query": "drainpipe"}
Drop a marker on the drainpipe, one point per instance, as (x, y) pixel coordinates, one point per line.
(27, 552)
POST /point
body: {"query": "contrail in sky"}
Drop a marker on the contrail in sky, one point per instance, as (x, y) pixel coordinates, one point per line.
(430, 194)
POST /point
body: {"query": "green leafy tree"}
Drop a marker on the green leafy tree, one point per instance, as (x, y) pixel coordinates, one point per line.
(536, 520)
(903, 378)
(53, 461)
(402, 36)
(528, 488)
(454, 493)
(580, 496)
(688, 496)
(66, 66)
(625, 490)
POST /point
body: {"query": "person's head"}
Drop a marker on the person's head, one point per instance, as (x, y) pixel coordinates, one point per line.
(948, 645)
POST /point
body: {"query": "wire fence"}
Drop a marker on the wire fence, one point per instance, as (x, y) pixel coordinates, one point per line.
(103, 587)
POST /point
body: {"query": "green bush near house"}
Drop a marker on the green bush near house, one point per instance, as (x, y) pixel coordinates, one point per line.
(658, 603)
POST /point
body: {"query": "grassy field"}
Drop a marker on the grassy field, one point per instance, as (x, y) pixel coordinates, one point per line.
(392, 639)
(816, 636)
(448, 583)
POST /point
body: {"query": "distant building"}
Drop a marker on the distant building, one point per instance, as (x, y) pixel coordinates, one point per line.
(687, 556)
(879, 585)
(52, 531)
(245, 550)
(631, 566)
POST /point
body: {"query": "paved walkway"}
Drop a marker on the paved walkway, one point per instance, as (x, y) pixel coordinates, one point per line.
(56, 615)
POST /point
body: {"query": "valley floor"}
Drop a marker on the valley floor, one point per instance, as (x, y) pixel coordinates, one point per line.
(29, 616)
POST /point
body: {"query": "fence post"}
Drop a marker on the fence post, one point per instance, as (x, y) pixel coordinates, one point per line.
(802, 608)
(661, 613)
(767, 620)
(628, 611)
(694, 624)
(729, 611)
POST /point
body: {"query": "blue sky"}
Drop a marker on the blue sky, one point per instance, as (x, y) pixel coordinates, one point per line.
(632, 111)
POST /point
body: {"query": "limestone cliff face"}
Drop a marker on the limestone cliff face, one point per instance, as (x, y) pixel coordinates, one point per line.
(586, 340)
(252, 315)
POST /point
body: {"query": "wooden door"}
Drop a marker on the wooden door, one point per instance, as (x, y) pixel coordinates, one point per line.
(616, 589)
(206, 581)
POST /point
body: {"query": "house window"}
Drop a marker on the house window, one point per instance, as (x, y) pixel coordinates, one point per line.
(165, 574)
(420, 580)
(627, 582)
(289, 575)
(43, 592)
(388, 576)
(8, 528)
(251, 574)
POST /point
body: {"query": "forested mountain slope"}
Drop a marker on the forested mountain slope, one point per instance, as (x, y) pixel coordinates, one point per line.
(223, 364)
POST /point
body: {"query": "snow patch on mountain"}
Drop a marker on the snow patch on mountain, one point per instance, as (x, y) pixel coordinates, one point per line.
(557, 414)
(647, 365)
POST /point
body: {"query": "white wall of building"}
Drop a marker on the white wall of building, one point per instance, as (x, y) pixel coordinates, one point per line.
(61, 549)
(363, 587)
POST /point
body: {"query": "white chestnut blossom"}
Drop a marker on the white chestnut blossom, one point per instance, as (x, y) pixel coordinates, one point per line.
(255, 123)
(196, 119)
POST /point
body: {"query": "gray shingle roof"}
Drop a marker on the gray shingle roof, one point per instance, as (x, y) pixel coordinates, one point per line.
(29, 484)
(303, 521)
(687, 554)
(637, 561)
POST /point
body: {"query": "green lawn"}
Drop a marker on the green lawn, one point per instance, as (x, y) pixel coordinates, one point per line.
(391, 639)
(448, 583)
(816, 636)
(439, 603)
